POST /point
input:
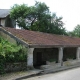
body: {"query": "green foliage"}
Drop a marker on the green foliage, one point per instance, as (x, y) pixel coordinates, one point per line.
(75, 32)
(71, 33)
(37, 18)
(70, 57)
(41, 17)
(19, 13)
(2, 63)
(56, 26)
(6, 47)
(52, 60)
(10, 53)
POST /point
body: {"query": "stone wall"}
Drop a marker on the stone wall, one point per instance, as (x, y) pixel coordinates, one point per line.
(11, 67)
(7, 37)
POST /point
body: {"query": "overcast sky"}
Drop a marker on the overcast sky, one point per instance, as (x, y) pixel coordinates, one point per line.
(68, 9)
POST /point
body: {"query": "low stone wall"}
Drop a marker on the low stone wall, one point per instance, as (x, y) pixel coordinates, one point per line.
(53, 65)
(11, 67)
(70, 62)
(50, 65)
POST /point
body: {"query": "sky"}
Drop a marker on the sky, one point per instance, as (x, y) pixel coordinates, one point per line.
(68, 9)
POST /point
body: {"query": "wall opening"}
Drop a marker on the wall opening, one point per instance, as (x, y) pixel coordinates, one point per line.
(69, 53)
(42, 55)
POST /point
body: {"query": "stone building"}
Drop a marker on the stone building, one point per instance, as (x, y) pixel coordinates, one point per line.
(44, 48)
(5, 19)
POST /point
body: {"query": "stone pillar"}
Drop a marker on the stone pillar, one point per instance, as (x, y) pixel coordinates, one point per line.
(78, 53)
(60, 58)
(30, 58)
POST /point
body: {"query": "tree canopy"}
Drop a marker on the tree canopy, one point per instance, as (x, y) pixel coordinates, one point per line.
(19, 13)
(75, 32)
(37, 18)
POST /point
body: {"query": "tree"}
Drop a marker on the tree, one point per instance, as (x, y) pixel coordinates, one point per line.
(37, 18)
(41, 17)
(76, 31)
(70, 33)
(56, 26)
(19, 13)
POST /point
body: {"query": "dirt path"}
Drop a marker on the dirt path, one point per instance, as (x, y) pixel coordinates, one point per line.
(13, 76)
(17, 75)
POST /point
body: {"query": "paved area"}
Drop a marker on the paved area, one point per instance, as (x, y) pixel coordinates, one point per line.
(19, 75)
(72, 74)
(63, 75)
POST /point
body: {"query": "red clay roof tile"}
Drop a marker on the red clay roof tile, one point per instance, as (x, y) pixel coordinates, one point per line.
(41, 39)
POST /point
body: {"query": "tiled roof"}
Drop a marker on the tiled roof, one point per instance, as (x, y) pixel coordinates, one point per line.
(39, 39)
(4, 13)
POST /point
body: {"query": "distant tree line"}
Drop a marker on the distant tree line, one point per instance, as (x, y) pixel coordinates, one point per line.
(75, 32)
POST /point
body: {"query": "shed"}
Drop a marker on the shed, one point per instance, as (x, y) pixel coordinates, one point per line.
(43, 47)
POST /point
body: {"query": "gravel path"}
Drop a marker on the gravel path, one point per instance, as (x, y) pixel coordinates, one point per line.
(17, 75)
(72, 74)
(13, 76)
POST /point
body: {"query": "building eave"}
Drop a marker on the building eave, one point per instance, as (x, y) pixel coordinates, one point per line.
(14, 37)
(51, 46)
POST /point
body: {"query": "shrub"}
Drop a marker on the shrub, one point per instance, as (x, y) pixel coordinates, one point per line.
(2, 62)
(10, 53)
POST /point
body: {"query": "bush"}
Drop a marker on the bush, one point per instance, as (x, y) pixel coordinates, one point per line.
(10, 53)
(2, 62)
